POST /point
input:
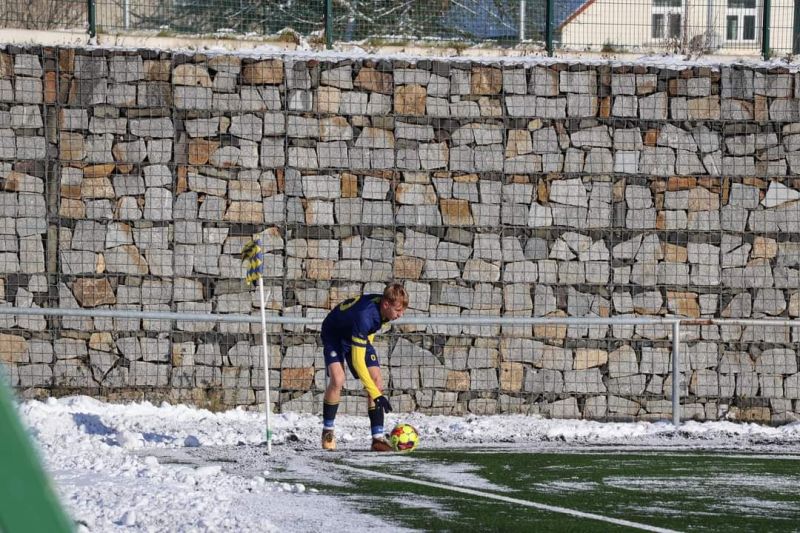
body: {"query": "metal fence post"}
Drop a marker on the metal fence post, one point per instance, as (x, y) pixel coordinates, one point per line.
(765, 27)
(676, 373)
(548, 28)
(329, 24)
(92, 19)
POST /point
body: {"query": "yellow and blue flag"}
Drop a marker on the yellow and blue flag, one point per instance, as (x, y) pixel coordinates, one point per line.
(255, 261)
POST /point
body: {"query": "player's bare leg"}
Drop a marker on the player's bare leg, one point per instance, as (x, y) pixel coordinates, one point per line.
(333, 391)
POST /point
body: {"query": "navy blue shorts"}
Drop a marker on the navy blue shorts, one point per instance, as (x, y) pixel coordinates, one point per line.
(337, 351)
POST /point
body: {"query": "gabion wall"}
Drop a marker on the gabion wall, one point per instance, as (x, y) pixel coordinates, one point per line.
(132, 179)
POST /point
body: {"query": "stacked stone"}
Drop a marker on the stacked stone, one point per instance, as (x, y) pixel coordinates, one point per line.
(517, 190)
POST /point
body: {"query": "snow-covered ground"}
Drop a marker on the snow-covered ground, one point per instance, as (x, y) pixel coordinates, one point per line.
(176, 468)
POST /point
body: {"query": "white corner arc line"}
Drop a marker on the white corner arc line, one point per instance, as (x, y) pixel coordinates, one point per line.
(507, 499)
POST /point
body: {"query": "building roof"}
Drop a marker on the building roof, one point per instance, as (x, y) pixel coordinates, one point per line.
(499, 19)
(571, 9)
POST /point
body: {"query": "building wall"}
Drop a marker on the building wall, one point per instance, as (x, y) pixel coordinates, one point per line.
(131, 180)
(613, 23)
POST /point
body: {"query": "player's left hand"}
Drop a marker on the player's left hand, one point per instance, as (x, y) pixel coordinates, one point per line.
(382, 402)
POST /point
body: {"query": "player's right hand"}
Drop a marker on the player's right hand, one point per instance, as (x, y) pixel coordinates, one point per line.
(382, 402)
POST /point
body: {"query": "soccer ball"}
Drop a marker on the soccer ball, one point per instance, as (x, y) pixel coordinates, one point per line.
(404, 438)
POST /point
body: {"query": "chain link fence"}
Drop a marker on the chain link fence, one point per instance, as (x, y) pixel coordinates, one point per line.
(744, 27)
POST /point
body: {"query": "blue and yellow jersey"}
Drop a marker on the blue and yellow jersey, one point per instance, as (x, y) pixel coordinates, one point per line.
(353, 323)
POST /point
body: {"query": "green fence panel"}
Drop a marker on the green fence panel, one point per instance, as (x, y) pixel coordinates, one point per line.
(27, 502)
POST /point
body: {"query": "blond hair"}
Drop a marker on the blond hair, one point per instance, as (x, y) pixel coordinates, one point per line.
(395, 293)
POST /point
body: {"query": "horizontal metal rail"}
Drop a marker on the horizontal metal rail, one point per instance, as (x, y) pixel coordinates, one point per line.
(295, 320)
(675, 323)
(434, 320)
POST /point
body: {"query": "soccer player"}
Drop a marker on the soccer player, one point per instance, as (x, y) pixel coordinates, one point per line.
(347, 334)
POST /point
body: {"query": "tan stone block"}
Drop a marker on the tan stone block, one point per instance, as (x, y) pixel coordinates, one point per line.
(490, 107)
(658, 186)
(200, 150)
(335, 128)
(72, 191)
(269, 72)
(457, 380)
(415, 194)
(319, 269)
(661, 221)
(50, 87)
(240, 189)
(705, 108)
(157, 69)
(681, 183)
(327, 100)
(97, 188)
(101, 340)
(519, 143)
(551, 331)
(542, 191)
(486, 80)
(225, 63)
(683, 303)
(19, 182)
(182, 182)
(589, 358)
(618, 191)
(192, 75)
(66, 60)
(370, 79)
(71, 146)
(535, 124)
(72, 208)
(6, 65)
(726, 190)
(455, 212)
(297, 378)
(245, 213)
(711, 183)
(605, 107)
(13, 349)
(650, 137)
(406, 267)
(756, 182)
(674, 253)
(410, 100)
(761, 109)
(764, 248)
(91, 292)
(349, 185)
(754, 414)
(701, 199)
(511, 376)
(98, 171)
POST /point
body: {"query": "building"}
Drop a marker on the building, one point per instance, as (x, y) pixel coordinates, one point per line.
(721, 26)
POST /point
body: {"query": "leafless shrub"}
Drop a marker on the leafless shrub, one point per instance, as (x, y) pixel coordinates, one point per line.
(43, 14)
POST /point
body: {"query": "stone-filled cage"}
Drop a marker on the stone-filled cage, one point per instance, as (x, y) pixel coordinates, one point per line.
(131, 180)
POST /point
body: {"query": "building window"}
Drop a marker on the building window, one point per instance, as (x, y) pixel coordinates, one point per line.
(740, 22)
(667, 18)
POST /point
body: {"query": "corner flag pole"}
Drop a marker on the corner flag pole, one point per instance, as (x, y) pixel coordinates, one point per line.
(255, 267)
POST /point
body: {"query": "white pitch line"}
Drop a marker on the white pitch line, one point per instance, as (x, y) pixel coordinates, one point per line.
(492, 496)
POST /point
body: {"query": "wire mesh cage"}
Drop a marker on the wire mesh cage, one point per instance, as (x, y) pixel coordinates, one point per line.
(132, 180)
(693, 27)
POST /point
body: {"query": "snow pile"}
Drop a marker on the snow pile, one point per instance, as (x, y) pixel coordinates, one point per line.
(107, 460)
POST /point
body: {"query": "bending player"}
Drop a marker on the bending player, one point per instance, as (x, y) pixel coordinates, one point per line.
(347, 334)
